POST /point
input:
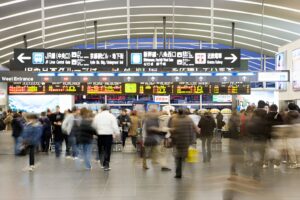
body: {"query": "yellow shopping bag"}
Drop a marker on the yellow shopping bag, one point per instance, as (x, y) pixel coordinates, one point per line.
(192, 155)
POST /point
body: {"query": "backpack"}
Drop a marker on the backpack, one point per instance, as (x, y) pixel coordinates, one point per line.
(2, 125)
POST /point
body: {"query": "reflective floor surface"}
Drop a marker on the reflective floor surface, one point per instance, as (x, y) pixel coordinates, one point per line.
(60, 179)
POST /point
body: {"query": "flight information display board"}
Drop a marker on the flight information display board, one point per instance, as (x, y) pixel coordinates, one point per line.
(156, 88)
(26, 88)
(65, 88)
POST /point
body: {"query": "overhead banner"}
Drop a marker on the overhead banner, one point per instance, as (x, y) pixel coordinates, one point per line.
(40, 88)
(91, 60)
(68, 59)
(200, 58)
(130, 88)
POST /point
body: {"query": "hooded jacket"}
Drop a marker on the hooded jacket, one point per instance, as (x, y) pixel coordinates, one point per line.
(207, 125)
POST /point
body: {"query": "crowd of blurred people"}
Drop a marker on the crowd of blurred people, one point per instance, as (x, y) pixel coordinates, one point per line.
(260, 137)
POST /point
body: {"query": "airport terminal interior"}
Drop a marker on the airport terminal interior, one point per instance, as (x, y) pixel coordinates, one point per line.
(160, 99)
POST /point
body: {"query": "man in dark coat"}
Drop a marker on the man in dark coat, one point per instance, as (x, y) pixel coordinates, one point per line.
(57, 119)
(207, 125)
(258, 131)
(183, 135)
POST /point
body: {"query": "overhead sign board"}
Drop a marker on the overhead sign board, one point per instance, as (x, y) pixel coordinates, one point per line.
(67, 59)
(274, 76)
(202, 58)
(61, 60)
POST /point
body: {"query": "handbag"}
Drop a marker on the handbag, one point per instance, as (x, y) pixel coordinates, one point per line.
(168, 143)
(192, 156)
(151, 140)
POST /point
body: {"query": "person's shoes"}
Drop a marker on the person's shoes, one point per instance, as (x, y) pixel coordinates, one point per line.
(145, 167)
(177, 176)
(293, 166)
(89, 168)
(265, 166)
(30, 168)
(276, 166)
(107, 168)
(75, 158)
(68, 157)
(165, 169)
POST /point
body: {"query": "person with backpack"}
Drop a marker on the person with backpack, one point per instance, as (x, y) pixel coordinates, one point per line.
(31, 136)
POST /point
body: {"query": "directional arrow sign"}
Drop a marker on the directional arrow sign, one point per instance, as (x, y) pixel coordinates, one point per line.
(233, 58)
(21, 58)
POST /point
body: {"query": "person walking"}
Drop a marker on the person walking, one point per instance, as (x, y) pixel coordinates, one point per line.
(46, 135)
(85, 135)
(235, 145)
(135, 126)
(8, 120)
(257, 128)
(57, 119)
(207, 125)
(124, 123)
(183, 135)
(17, 128)
(71, 120)
(31, 137)
(107, 128)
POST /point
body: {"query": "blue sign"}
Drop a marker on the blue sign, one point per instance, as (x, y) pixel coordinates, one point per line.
(38, 58)
(136, 58)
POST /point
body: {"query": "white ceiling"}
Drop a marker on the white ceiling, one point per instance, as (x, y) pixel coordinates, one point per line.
(64, 22)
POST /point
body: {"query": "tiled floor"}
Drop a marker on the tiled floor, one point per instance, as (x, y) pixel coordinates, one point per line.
(60, 179)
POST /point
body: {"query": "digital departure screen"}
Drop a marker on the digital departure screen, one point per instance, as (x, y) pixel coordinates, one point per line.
(104, 88)
(65, 88)
(191, 89)
(156, 88)
(230, 88)
(26, 88)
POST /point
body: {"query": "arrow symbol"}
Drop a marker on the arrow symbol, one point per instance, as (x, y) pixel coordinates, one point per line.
(21, 58)
(233, 58)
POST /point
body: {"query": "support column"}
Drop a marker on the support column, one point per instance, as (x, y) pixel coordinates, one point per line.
(212, 14)
(173, 26)
(85, 31)
(164, 28)
(233, 35)
(155, 38)
(96, 34)
(234, 97)
(128, 23)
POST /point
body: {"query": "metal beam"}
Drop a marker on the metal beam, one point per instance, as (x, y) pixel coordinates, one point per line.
(25, 41)
(233, 35)
(164, 28)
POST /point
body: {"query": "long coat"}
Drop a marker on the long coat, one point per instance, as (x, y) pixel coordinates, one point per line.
(182, 134)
